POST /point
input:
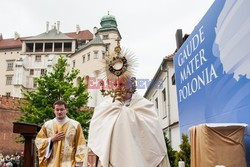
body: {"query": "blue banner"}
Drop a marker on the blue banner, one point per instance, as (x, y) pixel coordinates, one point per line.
(212, 67)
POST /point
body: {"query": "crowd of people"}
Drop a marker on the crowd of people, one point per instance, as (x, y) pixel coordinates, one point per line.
(14, 160)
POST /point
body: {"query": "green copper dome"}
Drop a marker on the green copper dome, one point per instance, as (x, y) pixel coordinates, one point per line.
(108, 22)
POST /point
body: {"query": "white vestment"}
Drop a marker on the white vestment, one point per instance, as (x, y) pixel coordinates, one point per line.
(127, 135)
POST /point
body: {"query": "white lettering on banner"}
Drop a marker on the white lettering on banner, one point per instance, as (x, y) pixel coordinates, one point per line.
(194, 64)
(191, 46)
(207, 75)
(203, 77)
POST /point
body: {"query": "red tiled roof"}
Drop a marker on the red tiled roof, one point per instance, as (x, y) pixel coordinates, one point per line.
(171, 56)
(82, 35)
(12, 44)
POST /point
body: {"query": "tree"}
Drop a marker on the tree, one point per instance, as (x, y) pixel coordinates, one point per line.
(53, 86)
(184, 153)
(171, 152)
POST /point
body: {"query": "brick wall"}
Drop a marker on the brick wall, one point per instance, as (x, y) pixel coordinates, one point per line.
(9, 112)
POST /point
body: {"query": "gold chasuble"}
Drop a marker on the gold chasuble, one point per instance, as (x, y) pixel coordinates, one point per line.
(69, 152)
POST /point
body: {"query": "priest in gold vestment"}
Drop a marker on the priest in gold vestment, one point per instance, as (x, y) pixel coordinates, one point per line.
(61, 142)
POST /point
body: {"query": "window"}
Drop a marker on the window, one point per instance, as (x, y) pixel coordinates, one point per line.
(8, 94)
(105, 36)
(38, 58)
(83, 58)
(10, 66)
(58, 47)
(103, 55)
(42, 71)
(156, 106)
(164, 103)
(31, 71)
(164, 95)
(39, 47)
(48, 47)
(95, 54)
(34, 83)
(173, 79)
(156, 103)
(67, 47)
(9, 79)
(107, 48)
(88, 56)
(74, 63)
(29, 47)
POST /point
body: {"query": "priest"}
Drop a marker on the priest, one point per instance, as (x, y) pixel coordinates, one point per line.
(61, 142)
(125, 130)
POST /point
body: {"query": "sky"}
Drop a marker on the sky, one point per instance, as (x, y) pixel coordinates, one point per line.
(147, 27)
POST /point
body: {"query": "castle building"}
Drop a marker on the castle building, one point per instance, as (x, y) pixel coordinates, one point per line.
(25, 58)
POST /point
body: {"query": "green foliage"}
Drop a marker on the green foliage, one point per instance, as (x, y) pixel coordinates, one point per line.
(53, 86)
(171, 152)
(184, 153)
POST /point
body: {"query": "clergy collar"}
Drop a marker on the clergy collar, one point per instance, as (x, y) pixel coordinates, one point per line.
(61, 121)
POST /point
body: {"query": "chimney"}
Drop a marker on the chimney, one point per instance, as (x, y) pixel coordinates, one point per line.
(47, 27)
(77, 29)
(16, 36)
(94, 31)
(58, 27)
(1, 36)
(178, 38)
